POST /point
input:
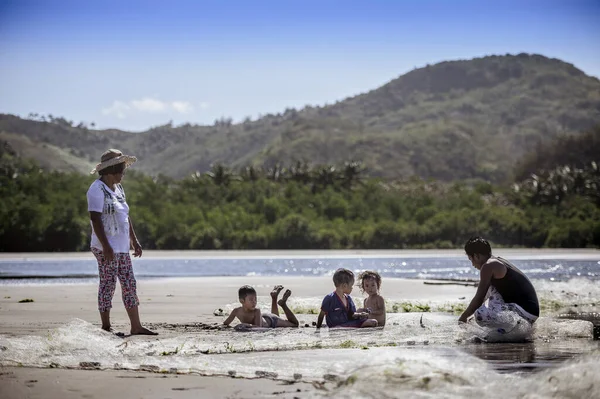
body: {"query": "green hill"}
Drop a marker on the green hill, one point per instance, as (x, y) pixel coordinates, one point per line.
(452, 120)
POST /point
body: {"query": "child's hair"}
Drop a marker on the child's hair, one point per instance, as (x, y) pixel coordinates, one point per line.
(244, 291)
(367, 274)
(478, 245)
(343, 276)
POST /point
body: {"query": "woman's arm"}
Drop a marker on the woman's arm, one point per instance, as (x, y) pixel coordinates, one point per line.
(98, 226)
(137, 248)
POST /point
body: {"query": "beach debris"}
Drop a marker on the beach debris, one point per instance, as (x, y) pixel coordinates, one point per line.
(265, 374)
(169, 353)
(6, 297)
(53, 365)
(3, 348)
(453, 281)
(232, 373)
(410, 342)
(219, 312)
(90, 365)
(461, 298)
(421, 321)
(319, 385)
(149, 367)
(314, 323)
(26, 300)
(123, 345)
(348, 344)
(170, 295)
(331, 377)
(297, 376)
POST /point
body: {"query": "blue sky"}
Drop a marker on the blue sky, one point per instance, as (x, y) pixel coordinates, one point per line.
(133, 64)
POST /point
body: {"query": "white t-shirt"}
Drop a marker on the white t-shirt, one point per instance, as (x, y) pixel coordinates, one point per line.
(115, 215)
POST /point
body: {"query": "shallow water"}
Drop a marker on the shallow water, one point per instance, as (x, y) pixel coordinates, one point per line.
(429, 357)
(15, 271)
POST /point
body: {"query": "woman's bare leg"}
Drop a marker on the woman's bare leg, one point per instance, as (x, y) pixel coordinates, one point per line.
(136, 324)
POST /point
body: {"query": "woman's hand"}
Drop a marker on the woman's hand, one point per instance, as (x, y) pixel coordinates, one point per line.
(109, 254)
(137, 249)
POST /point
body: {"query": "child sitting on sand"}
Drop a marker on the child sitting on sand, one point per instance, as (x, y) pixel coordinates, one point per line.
(251, 317)
(370, 282)
(338, 307)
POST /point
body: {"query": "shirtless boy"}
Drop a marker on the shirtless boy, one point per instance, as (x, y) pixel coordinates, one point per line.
(251, 317)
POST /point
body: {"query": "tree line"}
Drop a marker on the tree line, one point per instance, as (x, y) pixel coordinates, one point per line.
(301, 206)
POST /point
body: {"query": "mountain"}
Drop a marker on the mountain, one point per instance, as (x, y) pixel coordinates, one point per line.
(453, 120)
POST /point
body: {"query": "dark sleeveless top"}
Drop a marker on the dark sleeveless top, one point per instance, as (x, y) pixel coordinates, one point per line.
(515, 287)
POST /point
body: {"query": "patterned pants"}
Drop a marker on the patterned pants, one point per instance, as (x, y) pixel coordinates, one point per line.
(497, 314)
(120, 267)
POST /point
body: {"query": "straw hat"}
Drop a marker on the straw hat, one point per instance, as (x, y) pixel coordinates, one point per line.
(113, 157)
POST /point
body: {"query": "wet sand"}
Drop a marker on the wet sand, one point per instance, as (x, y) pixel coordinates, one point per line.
(181, 300)
(76, 384)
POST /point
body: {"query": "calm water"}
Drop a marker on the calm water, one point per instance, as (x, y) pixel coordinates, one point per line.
(85, 270)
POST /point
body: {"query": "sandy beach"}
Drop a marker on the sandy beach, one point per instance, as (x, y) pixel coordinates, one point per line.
(62, 321)
(181, 300)
(163, 302)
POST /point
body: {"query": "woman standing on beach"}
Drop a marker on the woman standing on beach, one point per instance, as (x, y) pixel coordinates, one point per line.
(112, 237)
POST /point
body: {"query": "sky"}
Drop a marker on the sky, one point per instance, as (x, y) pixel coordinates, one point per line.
(136, 64)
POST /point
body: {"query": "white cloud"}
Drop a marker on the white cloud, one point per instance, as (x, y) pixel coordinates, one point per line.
(122, 109)
(118, 109)
(183, 107)
(148, 104)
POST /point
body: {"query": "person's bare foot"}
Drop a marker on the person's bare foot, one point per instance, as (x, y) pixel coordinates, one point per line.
(276, 290)
(143, 331)
(284, 298)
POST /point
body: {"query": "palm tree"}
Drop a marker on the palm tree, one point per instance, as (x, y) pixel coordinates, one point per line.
(276, 172)
(250, 173)
(352, 173)
(324, 176)
(220, 174)
(300, 172)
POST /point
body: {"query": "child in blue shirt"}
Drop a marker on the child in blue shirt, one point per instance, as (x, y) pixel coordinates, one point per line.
(338, 307)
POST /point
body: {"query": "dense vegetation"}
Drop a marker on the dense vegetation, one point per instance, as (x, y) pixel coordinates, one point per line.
(449, 121)
(300, 206)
